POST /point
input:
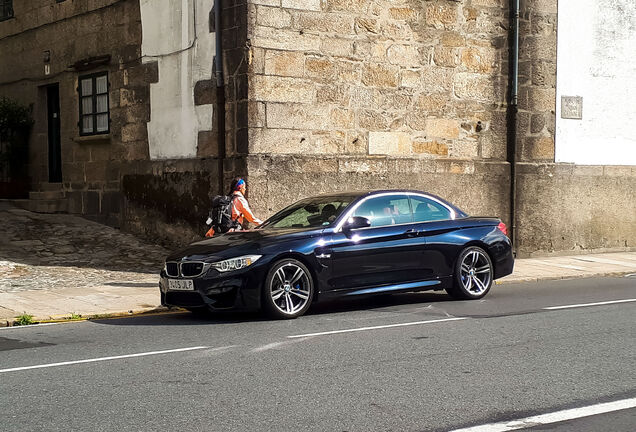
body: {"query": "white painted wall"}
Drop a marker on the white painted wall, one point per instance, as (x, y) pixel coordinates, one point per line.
(176, 34)
(595, 60)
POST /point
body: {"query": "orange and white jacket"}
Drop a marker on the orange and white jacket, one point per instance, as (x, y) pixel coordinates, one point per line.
(241, 210)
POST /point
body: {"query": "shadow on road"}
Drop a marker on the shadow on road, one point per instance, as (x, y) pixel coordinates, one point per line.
(178, 318)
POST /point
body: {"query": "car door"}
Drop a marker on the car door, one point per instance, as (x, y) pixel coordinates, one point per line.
(435, 225)
(380, 255)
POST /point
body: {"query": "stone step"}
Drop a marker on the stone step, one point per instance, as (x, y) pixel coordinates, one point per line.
(47, 195)
(43, 205)
(46, 187)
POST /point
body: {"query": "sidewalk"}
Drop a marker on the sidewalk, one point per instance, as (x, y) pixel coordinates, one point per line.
(53, 266)
(56, 265)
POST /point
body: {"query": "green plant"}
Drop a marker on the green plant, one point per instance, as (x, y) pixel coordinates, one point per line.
(24, 319)
(75, 317)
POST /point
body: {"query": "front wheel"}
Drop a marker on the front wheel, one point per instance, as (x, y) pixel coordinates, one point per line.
(473, 274)
(288, 289)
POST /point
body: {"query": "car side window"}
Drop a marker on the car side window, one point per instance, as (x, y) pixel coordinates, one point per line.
(425, 210)
(312, 215)
(386, 210)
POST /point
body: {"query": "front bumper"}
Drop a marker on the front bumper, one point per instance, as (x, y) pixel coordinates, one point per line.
(240, 290)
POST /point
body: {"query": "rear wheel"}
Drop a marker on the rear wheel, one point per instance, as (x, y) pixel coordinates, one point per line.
(473, 274)
(288, 289)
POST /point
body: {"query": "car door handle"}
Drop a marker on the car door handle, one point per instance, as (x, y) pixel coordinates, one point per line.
(411, 233)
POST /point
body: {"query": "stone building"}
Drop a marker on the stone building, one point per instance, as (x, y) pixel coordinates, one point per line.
(81, 67)
(324, 95)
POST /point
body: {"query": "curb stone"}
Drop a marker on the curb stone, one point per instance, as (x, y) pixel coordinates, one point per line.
(547, 278)
(66, 318)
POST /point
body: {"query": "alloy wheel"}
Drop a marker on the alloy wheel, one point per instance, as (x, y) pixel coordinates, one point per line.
(290, 288)
(475, 272)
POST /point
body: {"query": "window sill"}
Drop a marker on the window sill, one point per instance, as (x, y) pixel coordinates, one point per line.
(93, 139)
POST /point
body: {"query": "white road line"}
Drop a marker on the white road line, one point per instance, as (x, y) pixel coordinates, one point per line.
(101, 359)
(373, 328)
(589, 304)
(36, 325)
(554, 417)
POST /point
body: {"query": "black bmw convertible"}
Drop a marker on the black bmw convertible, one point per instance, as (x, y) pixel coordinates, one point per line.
(346, 244)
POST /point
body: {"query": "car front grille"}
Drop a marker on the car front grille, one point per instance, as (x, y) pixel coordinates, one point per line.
(172, 269)
(191, 269)
(186, 269)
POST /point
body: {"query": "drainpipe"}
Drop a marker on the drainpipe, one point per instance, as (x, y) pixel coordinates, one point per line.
(512, 119)
(220, 91)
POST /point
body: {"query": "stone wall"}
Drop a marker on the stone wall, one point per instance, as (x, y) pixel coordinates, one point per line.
(537, 81)
(567, 209)
(359, 94)
(479, 187)
(376, 77)
(168, 201)
(236, 58)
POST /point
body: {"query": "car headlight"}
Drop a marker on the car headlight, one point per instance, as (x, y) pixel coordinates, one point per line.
(235, 263)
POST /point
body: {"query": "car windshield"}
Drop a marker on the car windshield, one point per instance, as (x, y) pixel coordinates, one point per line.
(310, 213)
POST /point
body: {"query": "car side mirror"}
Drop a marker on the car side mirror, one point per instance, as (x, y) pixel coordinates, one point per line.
(355, 222)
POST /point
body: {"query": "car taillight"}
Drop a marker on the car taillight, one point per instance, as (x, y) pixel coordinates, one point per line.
(502, 227)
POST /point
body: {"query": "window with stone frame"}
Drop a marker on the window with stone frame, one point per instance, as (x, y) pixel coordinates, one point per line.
(93, 104)
(6, 9)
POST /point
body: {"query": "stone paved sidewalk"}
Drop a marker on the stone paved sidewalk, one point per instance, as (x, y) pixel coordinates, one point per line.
(55, 265)
(52, 266)
(570, 267)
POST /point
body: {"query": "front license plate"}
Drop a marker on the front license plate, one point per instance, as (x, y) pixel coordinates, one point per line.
(180, 285)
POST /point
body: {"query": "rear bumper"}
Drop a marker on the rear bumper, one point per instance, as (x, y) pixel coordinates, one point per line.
(504, 261)
(237, 291)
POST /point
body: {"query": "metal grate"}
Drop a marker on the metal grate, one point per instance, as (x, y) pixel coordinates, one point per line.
(172, 269)
(187, 269)
(191, 269)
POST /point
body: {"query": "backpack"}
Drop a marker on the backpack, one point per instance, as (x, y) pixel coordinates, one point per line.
(221, 213)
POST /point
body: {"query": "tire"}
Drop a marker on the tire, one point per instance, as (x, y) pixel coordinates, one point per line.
(473, 274)
(288, 289)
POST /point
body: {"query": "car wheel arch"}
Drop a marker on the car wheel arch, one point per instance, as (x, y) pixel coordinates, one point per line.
(481, 245)
(305, 261)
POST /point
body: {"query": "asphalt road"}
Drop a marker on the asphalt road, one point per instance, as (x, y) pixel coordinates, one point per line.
(413, 362)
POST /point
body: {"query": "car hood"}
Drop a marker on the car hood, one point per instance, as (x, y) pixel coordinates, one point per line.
(237, 243)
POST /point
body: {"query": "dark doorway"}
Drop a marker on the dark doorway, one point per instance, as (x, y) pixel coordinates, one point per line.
(55, 148)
